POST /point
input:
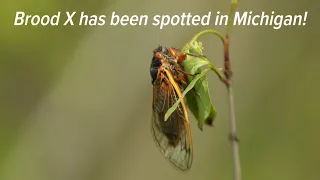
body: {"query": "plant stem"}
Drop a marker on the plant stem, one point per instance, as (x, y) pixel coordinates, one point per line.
(234, 139)
(207, 31)
(234, 4)
(228, 74)
(233, 131)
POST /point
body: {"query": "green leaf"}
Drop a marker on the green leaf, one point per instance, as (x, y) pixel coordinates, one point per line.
(198, 100)
(192, 64)
(190, 86)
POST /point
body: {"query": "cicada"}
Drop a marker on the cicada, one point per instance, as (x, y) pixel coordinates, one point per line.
(173, 136)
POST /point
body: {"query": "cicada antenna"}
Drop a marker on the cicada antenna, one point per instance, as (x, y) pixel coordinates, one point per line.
(159, 39)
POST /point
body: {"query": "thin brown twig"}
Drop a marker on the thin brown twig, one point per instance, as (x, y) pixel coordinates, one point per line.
(229, 84)
(233, 132)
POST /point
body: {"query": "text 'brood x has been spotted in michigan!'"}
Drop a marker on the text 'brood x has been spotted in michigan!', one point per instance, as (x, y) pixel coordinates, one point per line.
(247, 18)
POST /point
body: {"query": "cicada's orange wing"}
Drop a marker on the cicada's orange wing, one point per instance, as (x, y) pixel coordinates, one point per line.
(173, 137)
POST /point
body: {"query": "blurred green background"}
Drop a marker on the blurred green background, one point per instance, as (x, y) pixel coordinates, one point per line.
(75, 101)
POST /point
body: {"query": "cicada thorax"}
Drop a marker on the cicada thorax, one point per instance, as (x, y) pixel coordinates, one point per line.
(170, 59)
